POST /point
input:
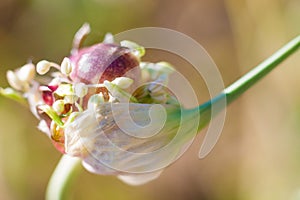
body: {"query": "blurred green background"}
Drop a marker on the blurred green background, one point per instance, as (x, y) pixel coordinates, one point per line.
(257, 156)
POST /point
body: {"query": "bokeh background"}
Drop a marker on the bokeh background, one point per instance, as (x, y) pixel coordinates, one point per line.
(257, 156)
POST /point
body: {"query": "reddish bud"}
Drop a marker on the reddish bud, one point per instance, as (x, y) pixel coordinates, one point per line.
(101, 62)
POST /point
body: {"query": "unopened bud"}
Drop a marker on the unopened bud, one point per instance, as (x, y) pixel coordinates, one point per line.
(138, 50)
(13, 80)
(95, 100)
(27, 72)
(108, 38)
(43, 67)
(66, 66)
(59, 106)
(122, 82)
(80, 89)
(70, 99)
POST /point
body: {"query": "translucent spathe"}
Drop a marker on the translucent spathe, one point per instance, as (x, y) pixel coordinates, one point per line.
(96, 137)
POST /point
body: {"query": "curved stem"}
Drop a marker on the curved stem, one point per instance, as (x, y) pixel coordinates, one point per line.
(61, 179)
(240, 86)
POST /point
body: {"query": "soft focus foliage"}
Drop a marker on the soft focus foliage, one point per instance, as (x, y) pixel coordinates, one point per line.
(257, 156)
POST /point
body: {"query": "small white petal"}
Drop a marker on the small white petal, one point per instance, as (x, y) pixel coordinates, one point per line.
(164, 67)
(55, 81)
(70, 99)
(34, 98)
(44, 128)
(160, 70)
(117, 92)
(95, 100)
(146, 77)
(79, 37)
(64, 90)
(137, 50)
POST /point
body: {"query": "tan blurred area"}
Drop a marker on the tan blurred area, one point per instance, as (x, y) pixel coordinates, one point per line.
(257, 156)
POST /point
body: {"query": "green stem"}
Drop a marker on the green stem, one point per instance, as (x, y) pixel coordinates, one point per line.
(240, 86)
(61, 178)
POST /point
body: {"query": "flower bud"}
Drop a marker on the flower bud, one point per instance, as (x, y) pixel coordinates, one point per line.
(43, 67)
(101, 62)
(70, 99)
(27, 72)
(108, 38)
(66, 66)
(136, 49)
(13, 80)
(59, 106)
(95, 100)
(123, 82)
(80, 89)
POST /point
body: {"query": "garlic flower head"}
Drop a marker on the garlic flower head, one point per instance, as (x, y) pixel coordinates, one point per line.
(104, 105)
